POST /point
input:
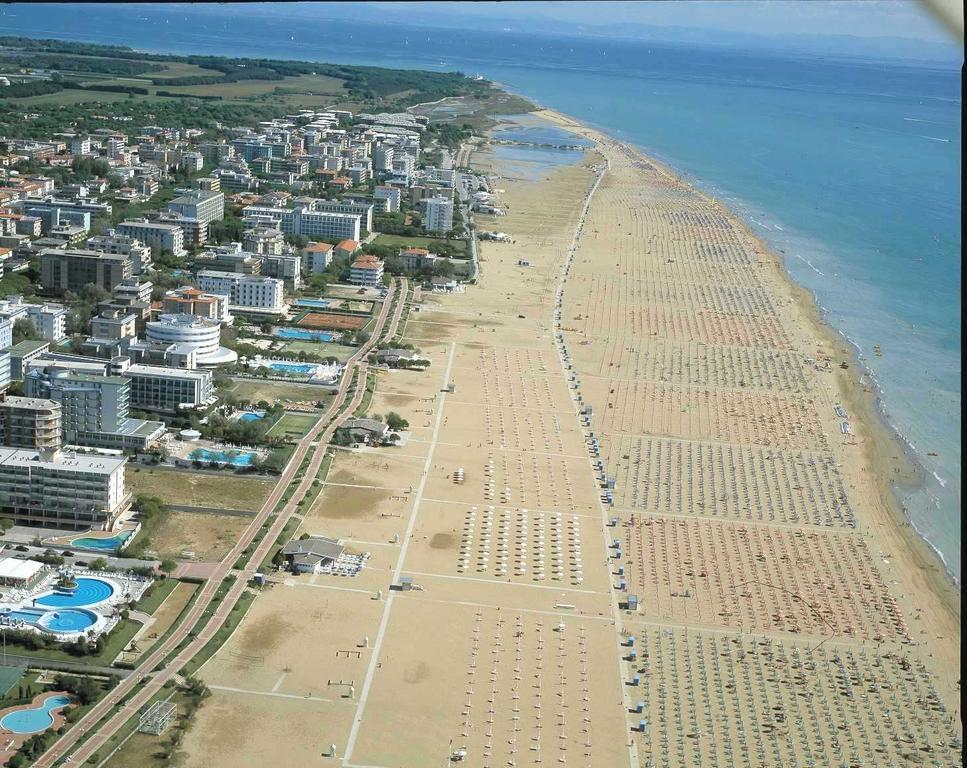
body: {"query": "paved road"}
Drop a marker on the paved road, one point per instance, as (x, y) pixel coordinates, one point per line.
(203, 605)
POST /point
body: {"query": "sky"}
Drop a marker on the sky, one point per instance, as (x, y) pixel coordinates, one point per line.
(869, 18)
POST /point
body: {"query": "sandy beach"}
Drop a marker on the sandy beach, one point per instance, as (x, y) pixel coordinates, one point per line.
(785, 616)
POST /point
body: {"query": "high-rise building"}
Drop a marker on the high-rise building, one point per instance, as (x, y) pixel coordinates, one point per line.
(62, 489)
(205, 205)
(71, 269)
(439, 214)
(94, 409)
(30, 422)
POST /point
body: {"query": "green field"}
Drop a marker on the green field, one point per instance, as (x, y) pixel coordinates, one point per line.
(255, 390)
(9, 677)
(200, 489)
(400, 241)
(119, 637)
(293, 425)
(159, 591)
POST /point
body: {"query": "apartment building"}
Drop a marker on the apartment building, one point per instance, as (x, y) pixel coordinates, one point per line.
(192, 301)
(310, 223)
(72, 269)
(30, 422)
(244, 291)
(366, 270)
(111, 241)
(114, 324)
(169, 390)
(316, 257)
(157, 236)
(286, 267)
(49, 320)
(204, 205)
(94, 409)
(62, 489)
(391, 195)
(264, 241)
(439, 214)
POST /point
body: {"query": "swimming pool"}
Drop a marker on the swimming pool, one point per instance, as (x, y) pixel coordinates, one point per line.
(322, 303)
(303, 368)
(89, 591)
(235, 458)
(36, 719)
(68, 620)
(297, 333)
(251, 416)
(57, 621)
(109, 544)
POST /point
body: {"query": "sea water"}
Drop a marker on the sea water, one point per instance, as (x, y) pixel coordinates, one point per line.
(850, 168)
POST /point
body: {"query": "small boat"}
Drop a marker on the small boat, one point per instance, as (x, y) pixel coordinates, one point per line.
(932, 453)
(877, 351)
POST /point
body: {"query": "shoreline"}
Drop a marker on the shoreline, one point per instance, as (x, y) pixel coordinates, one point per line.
(883, 467)
(909, 473)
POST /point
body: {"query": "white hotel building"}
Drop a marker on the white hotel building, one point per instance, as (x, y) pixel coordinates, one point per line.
(61, 489)
(195, 332)
(158, 237)
(305, 221)
(245, 292)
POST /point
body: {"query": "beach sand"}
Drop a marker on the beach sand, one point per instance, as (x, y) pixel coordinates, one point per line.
(784, 618)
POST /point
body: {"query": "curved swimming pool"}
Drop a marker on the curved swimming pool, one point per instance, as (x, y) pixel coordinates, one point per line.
(89, 591)
(37, 718)
(67, 620)
(108, 544)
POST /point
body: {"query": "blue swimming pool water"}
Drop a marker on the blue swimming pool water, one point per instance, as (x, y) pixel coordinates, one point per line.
(298, 333)
(110, 544)
(251, 416)
(34, 720)
(89, 591)
(68, 620)
(304, 368)
(235, 458)
(55, 620)
(313, 303)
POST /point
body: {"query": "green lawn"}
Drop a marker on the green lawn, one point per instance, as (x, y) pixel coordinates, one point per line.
(254, 390)
(293, 425)
(9, 677)
(159, 591)
(120, 636)
(201, 489)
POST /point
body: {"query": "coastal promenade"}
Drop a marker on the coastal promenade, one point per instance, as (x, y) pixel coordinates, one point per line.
(153, 669)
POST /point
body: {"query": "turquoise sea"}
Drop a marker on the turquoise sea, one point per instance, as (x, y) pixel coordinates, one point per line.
(850, 168)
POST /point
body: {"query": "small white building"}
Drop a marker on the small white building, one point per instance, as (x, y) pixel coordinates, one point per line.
(22, 574)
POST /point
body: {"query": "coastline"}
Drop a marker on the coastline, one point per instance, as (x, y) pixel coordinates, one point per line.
(904, 474)
(895, 473)
(928, 592)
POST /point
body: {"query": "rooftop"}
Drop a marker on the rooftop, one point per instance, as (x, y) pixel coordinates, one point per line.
(93, 463)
